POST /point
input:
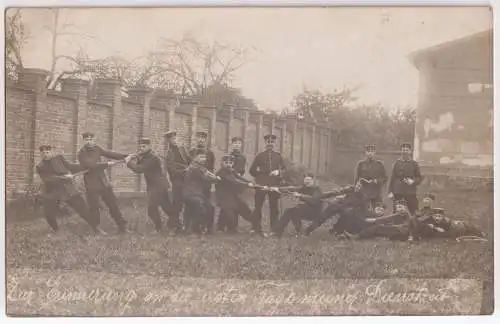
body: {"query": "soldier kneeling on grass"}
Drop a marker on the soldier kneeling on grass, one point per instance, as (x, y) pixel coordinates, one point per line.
(198, 209)
(309, 208)
(228, 195)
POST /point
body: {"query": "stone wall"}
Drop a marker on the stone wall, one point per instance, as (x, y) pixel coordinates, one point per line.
(36, 116)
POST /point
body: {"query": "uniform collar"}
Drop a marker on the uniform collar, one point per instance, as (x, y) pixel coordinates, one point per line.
(47, 161)
(149, 152)
(90, 148)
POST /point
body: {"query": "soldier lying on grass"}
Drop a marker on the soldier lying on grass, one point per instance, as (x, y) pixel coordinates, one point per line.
(354, 202)
(446, 227)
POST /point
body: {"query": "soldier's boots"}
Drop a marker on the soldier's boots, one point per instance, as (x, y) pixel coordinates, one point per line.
(124, 230)
(99, 231)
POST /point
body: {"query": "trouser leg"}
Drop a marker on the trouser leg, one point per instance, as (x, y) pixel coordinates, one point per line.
(412, 202)
(93, 203)
(177, 201)
(260, 196)
(168, 208)
(109, 198)
(273, 208)
(78, 204)
(209, 214)
(154, 202)
(49, 212)
(289, 215)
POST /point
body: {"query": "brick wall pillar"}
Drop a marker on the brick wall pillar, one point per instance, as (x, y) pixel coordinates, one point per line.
(36, 79)
(213, 128)
(172, 107)
(229, 128)
(294, 140)
(259, 130)
(169, 103)
(312, 150)
(109, 91)
(329, 154)
(246, 120)
(194, 123)
(143, 97)
(78, 89)
(273, 124)
(302, 143)
(284, 139)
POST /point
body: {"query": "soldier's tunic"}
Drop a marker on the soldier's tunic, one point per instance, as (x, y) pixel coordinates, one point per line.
(402, 169)
(419, 224)
(349, 204)
(261, 167)
(371, 169)
(56, 189)
(199, 211)
(177, 161)
(309, 208)
(456, 228)
(97, 184)
(240, 162)
(157, 188)
(239, 168)
(393, 227)
(227, 193)
(209, 164)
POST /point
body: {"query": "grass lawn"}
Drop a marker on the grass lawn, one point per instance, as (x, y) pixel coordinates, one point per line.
(147, 274)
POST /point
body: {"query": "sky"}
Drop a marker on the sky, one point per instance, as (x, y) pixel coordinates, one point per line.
(319, 48)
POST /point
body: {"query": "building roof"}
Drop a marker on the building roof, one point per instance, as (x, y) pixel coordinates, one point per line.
(422, 54)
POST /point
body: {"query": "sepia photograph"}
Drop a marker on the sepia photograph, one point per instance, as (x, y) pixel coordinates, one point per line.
(249, 161)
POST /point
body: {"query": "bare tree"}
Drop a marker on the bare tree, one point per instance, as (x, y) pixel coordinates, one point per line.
(16, 36)
(198, 65)
(60, 28)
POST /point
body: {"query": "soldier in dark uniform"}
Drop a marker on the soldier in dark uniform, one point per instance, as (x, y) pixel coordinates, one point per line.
(240, 161)
(419, 224)
(176, 162)
(372, 172)
(201, 148)
(405, 178)
(96, 183)
(267, 168)
(351, 209)
(446, 227)
(393, 227)
(147, 163)
(57, 175)
(227, 193)
(199, 210)
(239, 166)
(309, 208)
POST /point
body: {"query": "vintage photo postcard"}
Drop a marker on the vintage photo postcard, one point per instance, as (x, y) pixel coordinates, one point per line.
(249, 161)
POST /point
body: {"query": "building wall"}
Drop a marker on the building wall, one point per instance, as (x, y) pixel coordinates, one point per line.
(35, 117)
(18, 141)
(454, 128)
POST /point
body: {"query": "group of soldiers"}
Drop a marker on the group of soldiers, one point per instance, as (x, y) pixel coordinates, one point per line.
(186, 188)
